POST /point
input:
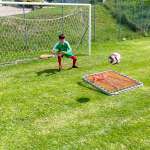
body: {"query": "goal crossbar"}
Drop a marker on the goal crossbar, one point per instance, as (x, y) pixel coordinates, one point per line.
(44, 3)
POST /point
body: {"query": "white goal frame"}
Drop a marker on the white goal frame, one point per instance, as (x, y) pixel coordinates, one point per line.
(58, 4)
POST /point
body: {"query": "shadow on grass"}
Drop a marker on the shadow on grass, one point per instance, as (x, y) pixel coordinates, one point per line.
(81, 55)
(70, 68)
(47, 72)
(83, 100)
(86, 85)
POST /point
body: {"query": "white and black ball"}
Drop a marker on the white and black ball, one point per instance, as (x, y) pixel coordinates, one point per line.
(114, 58)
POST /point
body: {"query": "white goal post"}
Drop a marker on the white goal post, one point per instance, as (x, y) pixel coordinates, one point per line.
(14, 19)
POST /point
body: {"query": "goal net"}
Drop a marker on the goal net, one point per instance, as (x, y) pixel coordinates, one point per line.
(30, 29)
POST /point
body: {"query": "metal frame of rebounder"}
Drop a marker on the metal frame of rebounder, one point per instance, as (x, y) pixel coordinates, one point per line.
(139, 84)
(57, 4)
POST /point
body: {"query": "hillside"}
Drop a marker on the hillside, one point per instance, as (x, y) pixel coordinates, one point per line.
(107, 27)
(134, 13)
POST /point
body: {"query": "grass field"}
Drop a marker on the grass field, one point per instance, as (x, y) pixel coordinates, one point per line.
(41, 108)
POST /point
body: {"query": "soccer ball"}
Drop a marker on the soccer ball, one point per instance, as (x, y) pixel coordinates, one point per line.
(124, 39)
(114, 58)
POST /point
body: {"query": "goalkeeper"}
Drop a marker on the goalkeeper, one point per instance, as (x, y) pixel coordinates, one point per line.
(62, 48)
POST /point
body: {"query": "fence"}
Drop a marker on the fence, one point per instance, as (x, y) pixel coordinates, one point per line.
(135, 14)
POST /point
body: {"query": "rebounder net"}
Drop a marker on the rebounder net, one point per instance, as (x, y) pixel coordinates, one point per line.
(26, 31)
(111, 82)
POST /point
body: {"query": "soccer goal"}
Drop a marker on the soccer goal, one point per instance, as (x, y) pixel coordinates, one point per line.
(27, 29)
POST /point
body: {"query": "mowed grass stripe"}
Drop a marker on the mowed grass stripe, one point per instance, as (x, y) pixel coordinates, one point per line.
(42, 109)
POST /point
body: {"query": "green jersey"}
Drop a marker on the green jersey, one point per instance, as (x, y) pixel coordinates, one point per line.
(63, 47)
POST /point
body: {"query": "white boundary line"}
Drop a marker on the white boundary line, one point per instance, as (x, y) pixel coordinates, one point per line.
(18, 61)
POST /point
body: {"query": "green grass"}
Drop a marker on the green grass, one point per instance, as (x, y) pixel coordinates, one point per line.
(41, 108)
(107, 28)
(49, 12)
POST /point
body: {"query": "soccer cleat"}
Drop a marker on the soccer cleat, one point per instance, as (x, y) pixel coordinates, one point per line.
(74, 66)
(60, 68)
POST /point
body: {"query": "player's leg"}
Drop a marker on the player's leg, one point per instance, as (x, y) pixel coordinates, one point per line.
(59, 56)
(74, 60)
